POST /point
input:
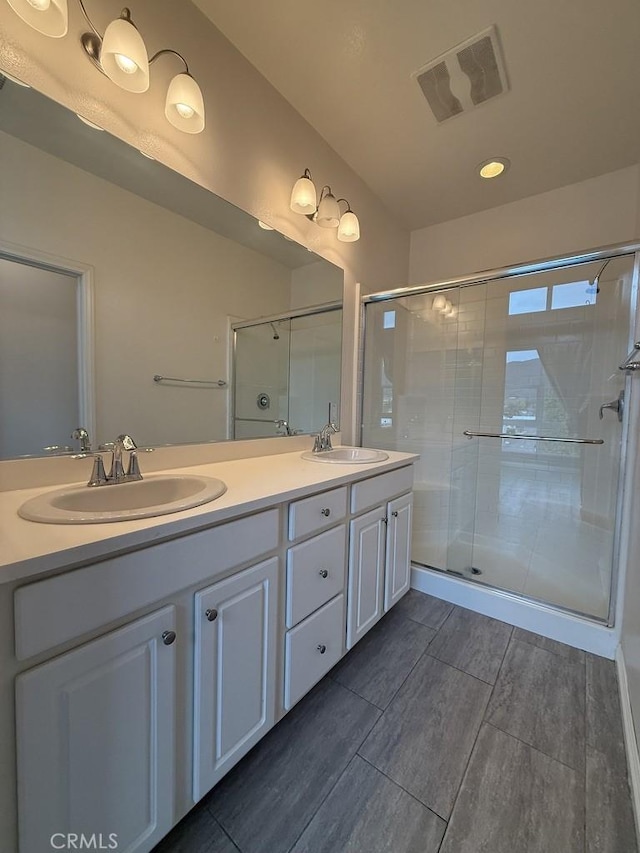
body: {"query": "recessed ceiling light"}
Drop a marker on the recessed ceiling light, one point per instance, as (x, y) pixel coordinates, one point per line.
(89, 123)
(264, 225)
(494, 167)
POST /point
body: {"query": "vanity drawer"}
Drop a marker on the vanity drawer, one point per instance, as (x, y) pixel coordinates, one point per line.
(315, 573)
(312, 649)
(314, 513)
(61, 608)
(377, 490)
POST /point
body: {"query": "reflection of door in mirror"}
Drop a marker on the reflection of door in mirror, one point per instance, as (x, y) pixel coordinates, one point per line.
(38, 354)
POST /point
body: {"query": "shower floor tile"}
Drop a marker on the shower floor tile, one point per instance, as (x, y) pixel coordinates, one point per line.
(451, 765)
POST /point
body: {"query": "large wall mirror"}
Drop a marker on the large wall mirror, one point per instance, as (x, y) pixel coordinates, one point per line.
(115, 270)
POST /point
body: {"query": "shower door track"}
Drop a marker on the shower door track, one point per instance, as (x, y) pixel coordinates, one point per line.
(555, 262)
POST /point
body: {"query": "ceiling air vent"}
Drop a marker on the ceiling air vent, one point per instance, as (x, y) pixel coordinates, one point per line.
(464, 77)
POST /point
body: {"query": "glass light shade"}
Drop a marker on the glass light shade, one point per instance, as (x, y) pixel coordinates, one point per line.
(123, 56)
(328, 212)
(303, 196)
(349, 227)
(451, 311)
(184, 106)
(439, 302)
(49, 17)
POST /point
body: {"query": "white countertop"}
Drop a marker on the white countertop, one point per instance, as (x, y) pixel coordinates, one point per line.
(29, 548)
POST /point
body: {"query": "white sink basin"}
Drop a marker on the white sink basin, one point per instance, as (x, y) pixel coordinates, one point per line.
(346, 455)
(155, 495)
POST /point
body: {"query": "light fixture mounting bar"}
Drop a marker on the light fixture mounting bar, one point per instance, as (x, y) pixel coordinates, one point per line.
(175, 53)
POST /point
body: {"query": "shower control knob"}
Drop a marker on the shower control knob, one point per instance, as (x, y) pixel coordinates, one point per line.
(321, 648)
(168, 637)
(211, 614)
(323, 573)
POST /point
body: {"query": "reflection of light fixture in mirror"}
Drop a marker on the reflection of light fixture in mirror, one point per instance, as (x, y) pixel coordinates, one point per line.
(494, 167)
(121, 55)
(450, 311)
(348, 227)
(325, 211)
(49, 17)
(89, 123)
(439, 303)
(264, 225)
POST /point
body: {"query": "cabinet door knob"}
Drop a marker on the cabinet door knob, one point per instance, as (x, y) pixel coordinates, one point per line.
(322, 649)
(168, 637)
(326, 512)
(323, 573)
(211, 614)
(395, 513)
(385, 520)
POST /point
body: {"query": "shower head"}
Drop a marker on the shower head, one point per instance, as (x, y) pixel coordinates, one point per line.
(596, 280)
(276, 336)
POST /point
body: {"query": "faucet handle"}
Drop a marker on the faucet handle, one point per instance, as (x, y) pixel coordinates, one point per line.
(98, 474)
(133, 469)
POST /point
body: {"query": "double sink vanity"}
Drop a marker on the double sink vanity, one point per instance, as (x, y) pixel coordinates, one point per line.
(146, 657)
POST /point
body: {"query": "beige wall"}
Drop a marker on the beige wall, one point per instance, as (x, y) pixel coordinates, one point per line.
(253, 148)
(581, 216)
(164, 290)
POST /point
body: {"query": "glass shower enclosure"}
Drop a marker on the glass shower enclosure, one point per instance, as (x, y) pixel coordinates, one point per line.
(509, 390)
(287, 373)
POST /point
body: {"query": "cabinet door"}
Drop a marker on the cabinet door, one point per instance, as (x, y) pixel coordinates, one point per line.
(366, 574)
(235, 670)
(398, 557)
(95, 740)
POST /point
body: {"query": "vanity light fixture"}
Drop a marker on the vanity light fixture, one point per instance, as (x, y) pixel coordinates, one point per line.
(49, 17)
(324, 211)
(494, 167)
(121, 55)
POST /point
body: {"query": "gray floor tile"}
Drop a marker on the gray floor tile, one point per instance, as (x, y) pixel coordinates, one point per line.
(539, 698)
(604, 715)
(268, 799)
(424, 608)
(424, 738)
(575, 655)
(609, 824)
(198, 832)
(376, 667)
(514, 799)
(368, 812)
(473, 643)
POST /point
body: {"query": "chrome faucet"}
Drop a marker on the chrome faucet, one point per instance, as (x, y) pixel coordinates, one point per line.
(322, 440)
(117, 473)
(282, 424)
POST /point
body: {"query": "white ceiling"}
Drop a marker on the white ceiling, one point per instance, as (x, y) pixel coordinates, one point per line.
(572, 112)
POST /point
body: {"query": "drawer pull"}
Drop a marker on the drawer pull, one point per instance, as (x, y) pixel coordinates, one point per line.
(321, 648)
(326, 512)
(211, 614)
(395, 513)
(168, 637)
(323, 573)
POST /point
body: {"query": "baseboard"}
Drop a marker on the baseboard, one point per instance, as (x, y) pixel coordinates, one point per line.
(630, 741)
(530, 615)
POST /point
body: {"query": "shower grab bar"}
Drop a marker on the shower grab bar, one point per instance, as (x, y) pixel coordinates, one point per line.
(219, 382)
(470, 434)
(632, 361)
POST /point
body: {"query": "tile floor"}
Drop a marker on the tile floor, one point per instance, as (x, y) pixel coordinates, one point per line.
(442, 731)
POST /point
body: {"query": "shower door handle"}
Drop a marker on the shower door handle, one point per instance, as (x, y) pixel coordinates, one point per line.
(616, 405)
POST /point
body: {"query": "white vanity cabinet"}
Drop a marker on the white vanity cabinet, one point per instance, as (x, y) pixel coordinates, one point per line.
(235, 670)
(96, 739)
(379, 549)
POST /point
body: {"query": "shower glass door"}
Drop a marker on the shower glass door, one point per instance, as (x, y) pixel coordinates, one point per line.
(512, 362)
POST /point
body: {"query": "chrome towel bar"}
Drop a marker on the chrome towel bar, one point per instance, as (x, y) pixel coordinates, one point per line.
(220, 383)
(470, 434)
